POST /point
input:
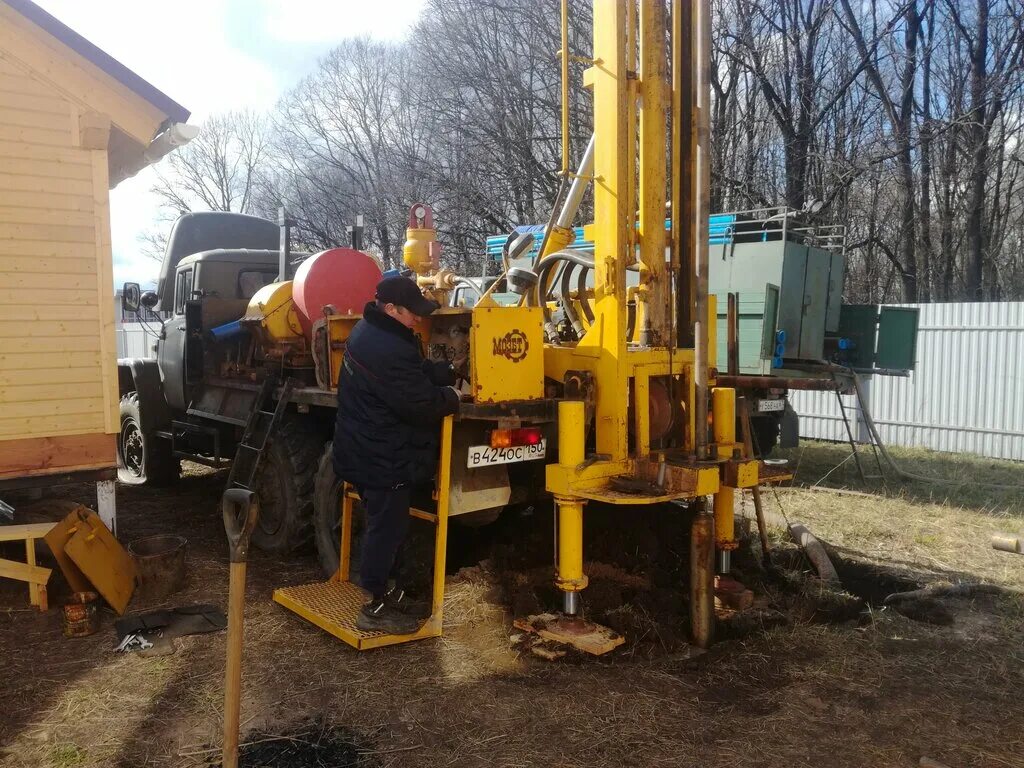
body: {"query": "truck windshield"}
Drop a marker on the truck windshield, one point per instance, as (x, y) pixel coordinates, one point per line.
(250, 282)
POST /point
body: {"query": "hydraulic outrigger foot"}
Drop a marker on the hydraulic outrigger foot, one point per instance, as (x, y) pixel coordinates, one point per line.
(572, 630)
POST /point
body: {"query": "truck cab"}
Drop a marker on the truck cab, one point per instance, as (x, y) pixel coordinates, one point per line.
(213, 263)
(217, 285)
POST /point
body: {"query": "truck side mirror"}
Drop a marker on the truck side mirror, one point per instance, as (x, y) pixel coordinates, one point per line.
(149, 300)
(131, 296)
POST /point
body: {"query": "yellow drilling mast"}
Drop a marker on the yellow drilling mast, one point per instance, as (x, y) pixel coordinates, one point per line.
(625, 392)
(672, 348)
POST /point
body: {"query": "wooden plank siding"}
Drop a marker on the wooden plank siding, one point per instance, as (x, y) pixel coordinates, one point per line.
(55, 275)
(59, 453)
(67, 113)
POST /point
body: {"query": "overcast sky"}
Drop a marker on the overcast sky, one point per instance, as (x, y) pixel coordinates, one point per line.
(211, 56)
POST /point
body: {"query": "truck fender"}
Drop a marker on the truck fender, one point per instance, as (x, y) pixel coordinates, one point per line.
(789, 432)
(143, 377)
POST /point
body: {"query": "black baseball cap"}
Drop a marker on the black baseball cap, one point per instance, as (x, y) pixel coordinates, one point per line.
(403, 292)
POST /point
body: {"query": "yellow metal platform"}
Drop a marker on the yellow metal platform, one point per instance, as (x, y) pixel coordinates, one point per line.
(334, 605)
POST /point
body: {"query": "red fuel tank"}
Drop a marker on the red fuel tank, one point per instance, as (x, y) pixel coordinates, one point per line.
(341, 277)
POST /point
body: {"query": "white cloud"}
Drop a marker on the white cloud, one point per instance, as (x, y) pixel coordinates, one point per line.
(212, 56)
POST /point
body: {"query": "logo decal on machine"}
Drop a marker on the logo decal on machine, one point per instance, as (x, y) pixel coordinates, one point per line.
(512, 345)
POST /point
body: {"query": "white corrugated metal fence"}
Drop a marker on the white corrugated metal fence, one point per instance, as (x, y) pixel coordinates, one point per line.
(966, 394)
(134, 341)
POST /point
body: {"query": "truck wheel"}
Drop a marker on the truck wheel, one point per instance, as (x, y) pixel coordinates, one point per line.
(327, 519)
(142, 457)
(285, 486)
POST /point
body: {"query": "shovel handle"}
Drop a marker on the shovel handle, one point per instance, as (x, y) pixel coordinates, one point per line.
(241, 509)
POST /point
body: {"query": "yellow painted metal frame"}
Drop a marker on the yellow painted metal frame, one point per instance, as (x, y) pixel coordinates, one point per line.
(345, 598)
(620, 37)
(506, 353)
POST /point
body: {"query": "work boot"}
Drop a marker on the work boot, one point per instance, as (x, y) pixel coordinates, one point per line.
(399, 599)
(378, 616)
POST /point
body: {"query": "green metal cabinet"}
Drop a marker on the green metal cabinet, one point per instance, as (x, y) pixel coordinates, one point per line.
(809, 282)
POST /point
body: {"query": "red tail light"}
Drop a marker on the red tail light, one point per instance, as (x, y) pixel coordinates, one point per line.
(508, 438)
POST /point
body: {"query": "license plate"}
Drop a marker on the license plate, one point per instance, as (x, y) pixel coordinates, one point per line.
(485, 456)
(764, 406)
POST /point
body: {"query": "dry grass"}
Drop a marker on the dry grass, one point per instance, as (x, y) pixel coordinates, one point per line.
(942, 530)
(957, 480)
(879, 692)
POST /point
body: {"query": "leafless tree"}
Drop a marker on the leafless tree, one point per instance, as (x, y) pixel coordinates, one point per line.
(905, 117)
(218, 170)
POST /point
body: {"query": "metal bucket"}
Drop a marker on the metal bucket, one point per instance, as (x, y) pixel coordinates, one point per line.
(160, 564)
(80, 616)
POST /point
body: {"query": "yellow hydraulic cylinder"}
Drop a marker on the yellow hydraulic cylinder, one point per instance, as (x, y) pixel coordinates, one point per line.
(570, 545)
(723, 414)
(571, 579)
(571, 427)
(559, 238)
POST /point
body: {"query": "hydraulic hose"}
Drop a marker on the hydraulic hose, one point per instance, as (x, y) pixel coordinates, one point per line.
(567, 307)
(581, 292)
(545, 265)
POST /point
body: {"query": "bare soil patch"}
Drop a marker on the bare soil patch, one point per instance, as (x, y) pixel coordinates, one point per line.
(808, 677)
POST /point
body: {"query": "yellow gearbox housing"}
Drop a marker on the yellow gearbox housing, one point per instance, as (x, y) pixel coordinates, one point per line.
(274, 310)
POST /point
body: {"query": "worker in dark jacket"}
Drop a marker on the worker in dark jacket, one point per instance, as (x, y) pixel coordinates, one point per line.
(390, 405)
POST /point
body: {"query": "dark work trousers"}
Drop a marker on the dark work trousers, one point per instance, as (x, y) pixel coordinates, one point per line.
(387, 522)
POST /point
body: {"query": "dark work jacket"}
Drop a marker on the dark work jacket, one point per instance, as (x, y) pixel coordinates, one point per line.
(390, 406)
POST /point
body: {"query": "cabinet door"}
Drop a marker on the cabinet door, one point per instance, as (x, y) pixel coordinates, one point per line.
(897, 338)
(793, 298)
(815, 304)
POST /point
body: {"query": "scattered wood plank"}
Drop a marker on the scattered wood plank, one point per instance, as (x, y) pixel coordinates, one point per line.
(25, 532)
(31, 574)
(584, 635)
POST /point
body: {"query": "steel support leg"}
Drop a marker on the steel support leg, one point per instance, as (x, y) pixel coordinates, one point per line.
(702, 576)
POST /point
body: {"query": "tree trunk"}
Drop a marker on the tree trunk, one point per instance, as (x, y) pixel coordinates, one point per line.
(909, 253)
(927, 282)
(979, 158)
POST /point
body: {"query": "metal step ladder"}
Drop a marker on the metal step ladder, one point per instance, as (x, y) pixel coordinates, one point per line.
(334, 605)
(853, 442)
(259, 431)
